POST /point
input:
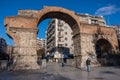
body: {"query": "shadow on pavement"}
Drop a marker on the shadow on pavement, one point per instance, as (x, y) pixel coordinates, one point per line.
(30, 75)
(108, 72)
(77, 68)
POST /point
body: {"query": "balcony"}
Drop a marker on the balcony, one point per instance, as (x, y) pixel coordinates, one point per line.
(60, 29)
(61, 42)
(50, 29)
(60, 35)
(60, 23)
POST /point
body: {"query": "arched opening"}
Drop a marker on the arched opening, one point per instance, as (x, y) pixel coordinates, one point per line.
(103, 50)
(41, 40)
(67, 18)
(59, 42)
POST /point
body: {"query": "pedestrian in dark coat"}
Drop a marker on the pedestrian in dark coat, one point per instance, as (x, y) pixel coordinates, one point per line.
(88, 64)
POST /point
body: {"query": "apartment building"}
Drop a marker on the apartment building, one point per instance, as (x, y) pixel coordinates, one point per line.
(9, 51)
(41, 43)
(3, 49)
(89, 19)
(59, 39)
(59, 34)
(117, 29)
(2, 45)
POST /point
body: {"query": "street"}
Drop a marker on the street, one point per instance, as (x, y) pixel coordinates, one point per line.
(55, 71)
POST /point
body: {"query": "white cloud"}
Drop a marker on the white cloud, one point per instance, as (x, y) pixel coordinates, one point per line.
(107, 10)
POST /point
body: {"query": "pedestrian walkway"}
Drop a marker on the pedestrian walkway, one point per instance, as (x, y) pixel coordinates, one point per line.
(54, 71)
(98, 73)
(57, 67)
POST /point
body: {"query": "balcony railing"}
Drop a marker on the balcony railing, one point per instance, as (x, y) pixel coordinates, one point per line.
(60, 29)
(60, 35)
(60, 42)
(60, 23)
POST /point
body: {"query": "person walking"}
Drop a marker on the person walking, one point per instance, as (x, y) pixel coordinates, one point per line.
(62, 64)
(88, 64)
(44, 63)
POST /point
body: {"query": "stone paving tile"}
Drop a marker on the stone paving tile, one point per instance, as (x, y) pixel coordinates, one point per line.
(54, 71)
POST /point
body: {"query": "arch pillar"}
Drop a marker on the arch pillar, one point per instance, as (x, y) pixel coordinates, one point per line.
(77, 50)
(25, 54)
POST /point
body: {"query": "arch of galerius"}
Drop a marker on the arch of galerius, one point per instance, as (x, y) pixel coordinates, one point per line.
(23, 30)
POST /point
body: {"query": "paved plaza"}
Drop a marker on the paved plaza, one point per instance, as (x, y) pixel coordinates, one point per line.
(55, 71)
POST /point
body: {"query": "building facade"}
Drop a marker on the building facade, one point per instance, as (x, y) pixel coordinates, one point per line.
(117, 29)
(2, 45)
(9, 51)
(59, 39)
(3, 49)
(41, 43)
(89, 19)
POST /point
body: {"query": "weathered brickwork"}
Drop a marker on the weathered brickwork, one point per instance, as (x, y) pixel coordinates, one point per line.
(77, 49)
(88, 49)
(108, 33)
(25, 55)
(88, 43)
(23, 30)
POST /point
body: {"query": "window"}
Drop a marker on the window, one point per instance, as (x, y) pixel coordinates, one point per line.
(66, 44)
(60, 45)
(59, 39)
(71, 44)
(65, 38)
(66, 33)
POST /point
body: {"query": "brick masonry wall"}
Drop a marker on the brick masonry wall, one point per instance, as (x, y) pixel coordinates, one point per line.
(88, 50)
(25, 56)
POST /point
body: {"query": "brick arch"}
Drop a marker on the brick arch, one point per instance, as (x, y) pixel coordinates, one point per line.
(23, 29)
(103, 49)
(69, 17)
(30, 19)
(103, 41)
(60, 13)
